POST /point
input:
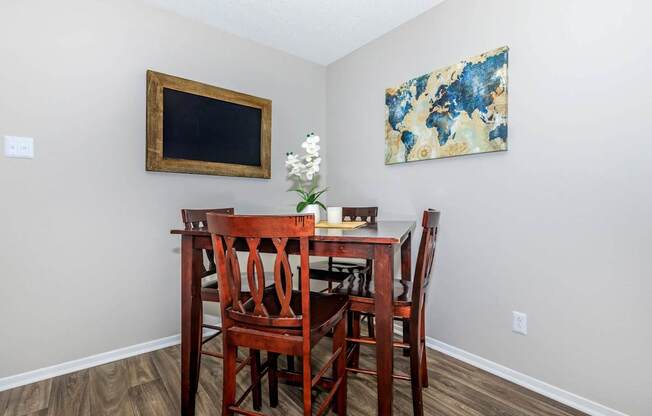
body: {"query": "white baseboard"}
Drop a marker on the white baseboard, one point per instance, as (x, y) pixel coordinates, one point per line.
(562, 396)
(570, 399)
(29, 377)
(530, 383)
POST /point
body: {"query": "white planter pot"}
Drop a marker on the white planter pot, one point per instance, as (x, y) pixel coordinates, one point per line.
(312, 209)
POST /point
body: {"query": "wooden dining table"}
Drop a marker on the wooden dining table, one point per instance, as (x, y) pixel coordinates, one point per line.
(378, 242)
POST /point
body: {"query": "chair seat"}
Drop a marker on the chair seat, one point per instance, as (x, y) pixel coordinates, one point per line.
(325, 308)
(338, 271)
(209, 282)
(363, 289)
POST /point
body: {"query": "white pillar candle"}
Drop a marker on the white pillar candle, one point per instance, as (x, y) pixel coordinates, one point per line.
(334, 215)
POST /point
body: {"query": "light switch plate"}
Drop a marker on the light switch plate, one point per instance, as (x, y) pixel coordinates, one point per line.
(20, 147)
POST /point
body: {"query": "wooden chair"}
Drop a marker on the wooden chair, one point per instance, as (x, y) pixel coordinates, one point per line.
(277, 319)
(409, 305)
(195, 219)
(337, 271)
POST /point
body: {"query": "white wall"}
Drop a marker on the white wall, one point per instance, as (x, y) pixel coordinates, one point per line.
(87, 264)
(557, 227)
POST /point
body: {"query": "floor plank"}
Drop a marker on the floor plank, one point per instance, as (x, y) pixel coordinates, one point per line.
(4, 401)
(151, 399)
(168, 364)
(141, 370)
(500, 389)
(149, 384)
(42, 412)
(70, 395)
(28, 399)
(109, 390)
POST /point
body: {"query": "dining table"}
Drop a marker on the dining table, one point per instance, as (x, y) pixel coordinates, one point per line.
(378, 242)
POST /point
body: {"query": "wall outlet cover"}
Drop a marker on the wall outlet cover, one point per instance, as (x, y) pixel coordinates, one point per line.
(519, 322)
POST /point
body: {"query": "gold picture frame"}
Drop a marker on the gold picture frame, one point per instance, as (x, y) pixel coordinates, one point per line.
(156, 162)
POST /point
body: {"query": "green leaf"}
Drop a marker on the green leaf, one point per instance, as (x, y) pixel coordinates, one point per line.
(321, 205)
(299, 191)
(301, 205)
(318, 194)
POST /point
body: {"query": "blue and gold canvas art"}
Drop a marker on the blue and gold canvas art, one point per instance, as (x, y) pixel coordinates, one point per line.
(458, 110)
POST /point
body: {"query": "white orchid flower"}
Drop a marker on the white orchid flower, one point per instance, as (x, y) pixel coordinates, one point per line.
(313, 149)
(305, 168)
(291, 159)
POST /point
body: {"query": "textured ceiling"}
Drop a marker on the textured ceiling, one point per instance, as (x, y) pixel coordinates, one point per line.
(321, 31)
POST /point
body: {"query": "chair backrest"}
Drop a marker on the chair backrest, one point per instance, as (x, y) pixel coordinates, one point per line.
(254, 233)
(196, 218)
(367, 214)
(425, 259)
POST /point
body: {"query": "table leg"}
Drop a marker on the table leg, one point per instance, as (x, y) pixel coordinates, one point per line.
(384, 285)
(191, 316)
(406, 274)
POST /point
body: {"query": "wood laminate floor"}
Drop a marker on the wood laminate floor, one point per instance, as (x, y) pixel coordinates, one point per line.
(149, 384)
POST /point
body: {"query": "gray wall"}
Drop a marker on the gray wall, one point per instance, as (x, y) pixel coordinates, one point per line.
(86, 261)
(558, 226)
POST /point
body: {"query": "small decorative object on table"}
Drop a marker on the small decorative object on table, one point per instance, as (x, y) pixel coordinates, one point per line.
(304, 170)
(334, 215)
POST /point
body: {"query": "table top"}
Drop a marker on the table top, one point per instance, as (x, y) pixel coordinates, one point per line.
(383, 232)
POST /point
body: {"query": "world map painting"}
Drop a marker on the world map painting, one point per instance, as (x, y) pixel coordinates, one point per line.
(458, 110)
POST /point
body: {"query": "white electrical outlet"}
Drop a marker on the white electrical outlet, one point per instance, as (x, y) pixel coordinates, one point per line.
(21, 147)
(519, 322)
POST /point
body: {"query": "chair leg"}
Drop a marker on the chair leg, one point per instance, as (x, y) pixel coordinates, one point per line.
(199, 348)
(370, 326)
(290, 362)
(424, 367)
(256, 391)
(415, 375)
(355, 333)
(307, 385)
(406, 337)
(229, 379)
(289, 358)
(424, 359)
(339, 370)
(366, 279)
(272, 378)
(349, 323)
